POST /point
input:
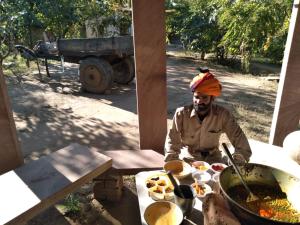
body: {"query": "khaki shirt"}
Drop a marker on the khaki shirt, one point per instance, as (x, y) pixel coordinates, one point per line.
(203, 137)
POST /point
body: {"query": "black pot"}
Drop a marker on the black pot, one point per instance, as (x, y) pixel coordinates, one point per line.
(263, 175)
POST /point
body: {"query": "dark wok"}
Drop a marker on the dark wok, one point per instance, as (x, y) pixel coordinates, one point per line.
(259, 174)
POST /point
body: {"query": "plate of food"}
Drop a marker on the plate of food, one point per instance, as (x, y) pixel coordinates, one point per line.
(179, 168)
(162, 213)
(200, 166)
(217, 167)
(201, 189)
(160, 187)
(203, 177)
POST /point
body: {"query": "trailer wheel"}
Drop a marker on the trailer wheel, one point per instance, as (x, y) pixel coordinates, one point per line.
(124, 71)
(95, 75)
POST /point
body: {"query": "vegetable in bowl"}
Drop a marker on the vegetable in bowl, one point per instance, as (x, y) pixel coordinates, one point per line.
(201, 189)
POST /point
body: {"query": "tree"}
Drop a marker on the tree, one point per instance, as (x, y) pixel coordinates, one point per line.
(177, 11)
(251, 25)
(237, 27)
(204, 33)
(195, 23)
(8, 28)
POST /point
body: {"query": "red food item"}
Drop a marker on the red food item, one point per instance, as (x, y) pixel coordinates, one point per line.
(217, 167)
(265, 213)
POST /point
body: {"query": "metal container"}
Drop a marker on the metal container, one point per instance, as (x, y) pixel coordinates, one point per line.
(186, 202)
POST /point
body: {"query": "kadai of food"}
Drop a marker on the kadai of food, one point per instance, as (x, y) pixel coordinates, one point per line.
(272, 204)
(278, 195)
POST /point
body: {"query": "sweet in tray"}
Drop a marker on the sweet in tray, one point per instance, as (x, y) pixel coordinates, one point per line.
(160, 187)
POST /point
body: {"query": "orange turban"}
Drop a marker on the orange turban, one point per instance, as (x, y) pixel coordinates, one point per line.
(206, 83)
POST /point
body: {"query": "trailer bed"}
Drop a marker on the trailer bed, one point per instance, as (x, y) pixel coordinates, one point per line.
(84, 47)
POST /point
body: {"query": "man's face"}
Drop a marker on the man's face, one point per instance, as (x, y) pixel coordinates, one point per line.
(202, 103)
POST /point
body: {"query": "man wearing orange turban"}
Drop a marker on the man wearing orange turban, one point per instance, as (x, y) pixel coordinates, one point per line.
(196, 128)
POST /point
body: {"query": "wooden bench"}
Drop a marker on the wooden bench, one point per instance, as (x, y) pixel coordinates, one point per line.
(131, 162)
(35, 186)
(109, 185)
(272, 78)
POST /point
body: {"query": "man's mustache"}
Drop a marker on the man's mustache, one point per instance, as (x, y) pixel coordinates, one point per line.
(201, 105)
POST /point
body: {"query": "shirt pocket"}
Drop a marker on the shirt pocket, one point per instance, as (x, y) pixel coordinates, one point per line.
(214, 131)
(189, 138)
(211, 138)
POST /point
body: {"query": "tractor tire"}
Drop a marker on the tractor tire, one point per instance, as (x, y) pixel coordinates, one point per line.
(96, 75)
(124, 71)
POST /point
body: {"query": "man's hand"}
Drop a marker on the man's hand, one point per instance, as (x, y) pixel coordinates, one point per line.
(171, 156)
(238, 158)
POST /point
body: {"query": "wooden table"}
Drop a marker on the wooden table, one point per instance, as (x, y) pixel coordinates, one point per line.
(262, 153)
(38, 184)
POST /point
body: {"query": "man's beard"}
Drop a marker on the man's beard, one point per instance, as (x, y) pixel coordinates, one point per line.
(201, 108)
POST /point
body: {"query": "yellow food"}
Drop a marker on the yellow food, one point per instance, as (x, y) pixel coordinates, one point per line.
(202, 167)
(162, 215)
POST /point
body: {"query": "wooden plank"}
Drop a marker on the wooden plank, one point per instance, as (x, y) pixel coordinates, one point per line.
(10, 152)
(150, 67)
(37, 185)
(287, 111)
(129, 162)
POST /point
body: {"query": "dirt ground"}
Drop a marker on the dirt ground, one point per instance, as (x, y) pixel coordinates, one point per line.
(53, 112)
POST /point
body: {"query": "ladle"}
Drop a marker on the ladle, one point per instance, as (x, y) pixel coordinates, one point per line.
(176, 186)
(251, 197)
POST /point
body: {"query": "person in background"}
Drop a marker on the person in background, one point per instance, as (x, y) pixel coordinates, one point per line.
(196, 128)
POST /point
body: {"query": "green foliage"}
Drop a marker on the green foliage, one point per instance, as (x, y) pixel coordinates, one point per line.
(58, 23)
(8, 28)
(21, 19)
(194, 22)
(16, 66)
(72, 204)
(253, 27)
(239, 27)
(236, 27)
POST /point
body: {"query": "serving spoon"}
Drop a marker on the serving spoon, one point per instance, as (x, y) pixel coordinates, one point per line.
(251, 197)
(176, 186)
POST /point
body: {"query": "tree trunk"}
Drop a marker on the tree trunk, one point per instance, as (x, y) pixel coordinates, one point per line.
(202, 55)
(245, 58)
(245, 62)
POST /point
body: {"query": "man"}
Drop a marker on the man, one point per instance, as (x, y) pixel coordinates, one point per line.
(196, 128)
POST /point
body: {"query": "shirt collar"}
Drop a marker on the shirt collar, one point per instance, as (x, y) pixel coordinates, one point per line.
(193, 113)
